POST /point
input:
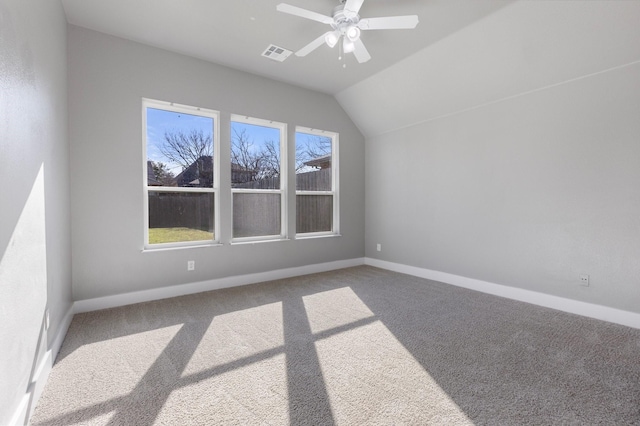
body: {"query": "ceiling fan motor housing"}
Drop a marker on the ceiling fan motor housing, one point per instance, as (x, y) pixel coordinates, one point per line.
(344, 19)
(345, 23)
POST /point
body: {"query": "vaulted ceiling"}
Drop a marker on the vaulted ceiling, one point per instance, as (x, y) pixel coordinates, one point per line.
(463, 53)
(236, 32)
(524, 47)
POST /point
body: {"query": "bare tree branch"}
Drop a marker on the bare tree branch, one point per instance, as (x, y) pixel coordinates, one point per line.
(186, 148)
(310, 148)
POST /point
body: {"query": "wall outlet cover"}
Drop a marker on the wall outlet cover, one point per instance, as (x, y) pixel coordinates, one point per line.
(584, 280)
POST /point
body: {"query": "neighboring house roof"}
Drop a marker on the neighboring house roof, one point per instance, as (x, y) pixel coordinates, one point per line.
(199, 173)
(323, 162)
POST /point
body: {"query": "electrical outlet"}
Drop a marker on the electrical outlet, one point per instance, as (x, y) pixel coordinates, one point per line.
(379, 247)
(584, 280)
(191, 265)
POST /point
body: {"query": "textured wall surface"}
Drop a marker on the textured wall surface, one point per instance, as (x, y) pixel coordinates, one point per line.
(35, 254)
(507, 152)
(108, 78)
(530, 192)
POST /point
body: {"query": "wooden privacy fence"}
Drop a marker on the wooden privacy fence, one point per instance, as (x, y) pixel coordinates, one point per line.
(319, 180)
(181, 210)
(254, 214)
(314, 213)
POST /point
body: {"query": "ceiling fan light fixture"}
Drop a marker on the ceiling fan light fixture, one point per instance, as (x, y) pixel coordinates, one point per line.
(348, 46)
(331, 39)
(352, 33)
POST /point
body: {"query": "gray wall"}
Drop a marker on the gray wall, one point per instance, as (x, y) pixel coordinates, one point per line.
(108, 77)
(508, 151)
(528, 192)
(35, 264)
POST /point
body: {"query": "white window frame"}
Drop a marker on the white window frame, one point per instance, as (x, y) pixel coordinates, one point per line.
(334, 182)
(282, 128)
(185, 109)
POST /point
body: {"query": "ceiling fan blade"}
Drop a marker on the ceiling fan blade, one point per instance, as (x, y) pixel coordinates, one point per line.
(304, 13)
(352, 7)
(389, 23)
(313, 45)
(361, 53)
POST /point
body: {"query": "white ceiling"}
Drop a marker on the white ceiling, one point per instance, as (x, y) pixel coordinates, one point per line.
(236, 32)
(522, 48)
(464, 53)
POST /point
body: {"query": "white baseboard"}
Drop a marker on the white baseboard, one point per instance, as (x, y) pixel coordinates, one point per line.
(41, 374)
(62, 332)
(201, 286)
(618, 316)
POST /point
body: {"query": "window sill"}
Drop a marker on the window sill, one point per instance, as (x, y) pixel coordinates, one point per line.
(172, 248)
(314, 236)
(249, 242)
(238, 243)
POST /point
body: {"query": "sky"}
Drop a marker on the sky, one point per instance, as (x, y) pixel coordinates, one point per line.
(161, 121)
(258, 135)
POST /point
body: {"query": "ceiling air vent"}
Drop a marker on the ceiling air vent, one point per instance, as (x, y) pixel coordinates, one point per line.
(276, 53)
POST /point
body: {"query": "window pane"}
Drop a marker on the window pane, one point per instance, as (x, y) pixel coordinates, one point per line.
(256, 215)
(177, 217)
(179, 149)
(255, 156)
(314, 213)
(313, 162)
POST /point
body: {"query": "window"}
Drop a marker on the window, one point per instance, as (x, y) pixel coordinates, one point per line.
(316, 182)
(181, 164)
(181, 152)
(258, 179)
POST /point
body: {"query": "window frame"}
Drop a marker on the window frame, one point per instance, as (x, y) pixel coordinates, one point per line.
(335, 224)
(282, 127)
(215, 189)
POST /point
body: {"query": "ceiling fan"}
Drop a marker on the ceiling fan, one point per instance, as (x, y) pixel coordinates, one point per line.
(346, 23)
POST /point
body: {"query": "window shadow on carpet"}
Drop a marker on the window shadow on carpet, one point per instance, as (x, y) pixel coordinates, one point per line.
(355, 346)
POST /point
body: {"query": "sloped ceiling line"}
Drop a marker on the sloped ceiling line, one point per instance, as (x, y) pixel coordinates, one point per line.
(525, 47)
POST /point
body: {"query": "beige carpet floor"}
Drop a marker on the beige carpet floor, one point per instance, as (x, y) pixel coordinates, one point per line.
(355, 346)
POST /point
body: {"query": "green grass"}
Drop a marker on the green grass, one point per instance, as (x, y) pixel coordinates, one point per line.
(175, 235)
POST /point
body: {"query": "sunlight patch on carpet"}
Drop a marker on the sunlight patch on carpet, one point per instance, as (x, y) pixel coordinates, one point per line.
(253, 393)
(127, 357)
(238, 335)
(367, 370)
(334, 308)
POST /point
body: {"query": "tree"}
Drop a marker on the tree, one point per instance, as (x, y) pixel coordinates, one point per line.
(162, 173)
(263, 163)
(186, 148)
(243, 155)
(309, 148)
(189, 150)
(270, 159)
